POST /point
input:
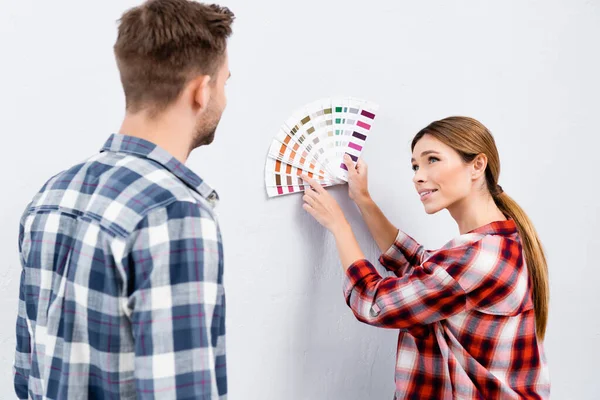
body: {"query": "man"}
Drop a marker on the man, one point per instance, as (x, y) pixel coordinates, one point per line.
(121, 292)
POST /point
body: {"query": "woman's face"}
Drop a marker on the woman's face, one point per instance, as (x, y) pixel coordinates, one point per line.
(442, 178)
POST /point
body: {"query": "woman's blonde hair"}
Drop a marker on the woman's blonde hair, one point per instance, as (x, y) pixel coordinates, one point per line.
(469, 138)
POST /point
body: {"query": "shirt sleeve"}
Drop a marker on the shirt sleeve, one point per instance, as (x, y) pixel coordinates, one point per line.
(177, 305)
(479, 275)
(22, 364)
(22, 361)
(403, 255)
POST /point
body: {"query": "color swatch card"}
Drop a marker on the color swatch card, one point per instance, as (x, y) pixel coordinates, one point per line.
(314, 140)
(353, 119)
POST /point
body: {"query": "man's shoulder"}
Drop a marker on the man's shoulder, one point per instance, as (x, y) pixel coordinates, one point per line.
(118, 190)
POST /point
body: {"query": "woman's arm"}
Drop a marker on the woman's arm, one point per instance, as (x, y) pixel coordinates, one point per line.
(401, 253)
(328, 213)
(382, 230)
(324, 208)
(347, 246)
(430, 293)
(477, 275)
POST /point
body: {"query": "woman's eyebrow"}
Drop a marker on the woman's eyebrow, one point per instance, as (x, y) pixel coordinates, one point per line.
(425, 153)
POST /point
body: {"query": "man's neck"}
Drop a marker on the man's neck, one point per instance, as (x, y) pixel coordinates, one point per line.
(166, 131)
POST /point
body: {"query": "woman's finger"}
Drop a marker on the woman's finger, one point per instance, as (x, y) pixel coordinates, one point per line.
(309, 209)
(311, 193)
(313, 184)
(309, 200)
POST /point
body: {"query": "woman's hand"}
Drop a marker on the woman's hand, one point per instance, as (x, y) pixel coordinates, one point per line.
(323, 207)
(358, 187)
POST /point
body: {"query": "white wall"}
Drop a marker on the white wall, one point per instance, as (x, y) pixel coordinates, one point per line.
(528, 70)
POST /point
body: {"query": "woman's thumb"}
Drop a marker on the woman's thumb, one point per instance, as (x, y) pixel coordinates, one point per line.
(349, 164)
(361, 166)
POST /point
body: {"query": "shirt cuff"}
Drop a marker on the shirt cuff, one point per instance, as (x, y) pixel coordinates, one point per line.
(401, 254)
(356, 273)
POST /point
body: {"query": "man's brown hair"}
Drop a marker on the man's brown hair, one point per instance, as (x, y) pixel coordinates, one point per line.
(162, 44)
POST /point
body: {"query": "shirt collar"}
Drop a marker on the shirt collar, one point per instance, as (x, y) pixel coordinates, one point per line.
(119, 143)
(502, 228)
(506, 228)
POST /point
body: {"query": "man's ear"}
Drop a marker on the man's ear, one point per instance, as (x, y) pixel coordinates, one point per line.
(479, 165)
(199, 89)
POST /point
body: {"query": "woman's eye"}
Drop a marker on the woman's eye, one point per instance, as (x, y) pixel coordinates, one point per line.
(415, 168)
(432, 159)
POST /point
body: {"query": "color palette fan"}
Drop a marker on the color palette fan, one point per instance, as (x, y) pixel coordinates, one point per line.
(313, 142)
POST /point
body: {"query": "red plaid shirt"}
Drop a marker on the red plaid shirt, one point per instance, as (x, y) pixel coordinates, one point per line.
(465, 314)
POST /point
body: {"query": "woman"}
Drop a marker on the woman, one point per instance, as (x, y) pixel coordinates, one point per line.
(472, 315)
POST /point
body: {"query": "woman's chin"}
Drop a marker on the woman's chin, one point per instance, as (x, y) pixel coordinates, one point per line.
(431, 208)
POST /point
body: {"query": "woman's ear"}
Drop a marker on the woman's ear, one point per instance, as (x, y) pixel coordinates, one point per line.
(479, 166)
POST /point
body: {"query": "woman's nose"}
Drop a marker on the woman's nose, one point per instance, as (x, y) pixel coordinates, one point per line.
(419, 176)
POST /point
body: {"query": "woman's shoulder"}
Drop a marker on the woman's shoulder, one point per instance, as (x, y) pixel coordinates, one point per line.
(490, 237)
(490, 268)
(477, 251)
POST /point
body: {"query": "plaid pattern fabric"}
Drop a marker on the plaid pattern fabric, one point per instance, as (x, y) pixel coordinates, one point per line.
(465, 314)
(121, 293)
